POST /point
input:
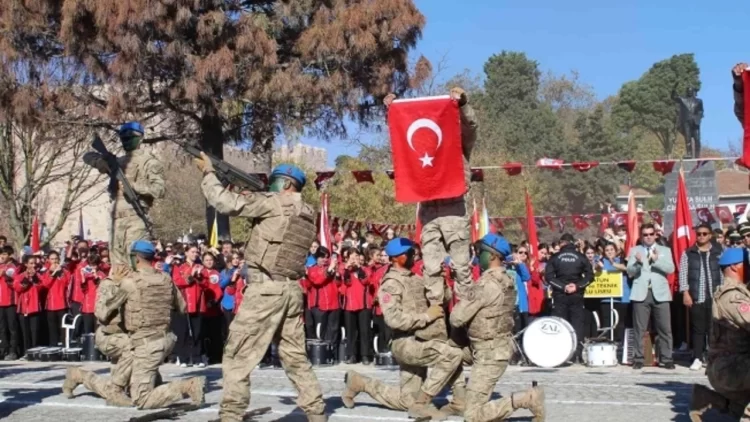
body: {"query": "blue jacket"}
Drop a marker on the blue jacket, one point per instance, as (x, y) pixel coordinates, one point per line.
(225, 278)
(625, 282)
(522, 276)
(310, 261)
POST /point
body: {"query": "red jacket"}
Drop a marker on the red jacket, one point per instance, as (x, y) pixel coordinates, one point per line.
(89, 285)
(191, 291)
(355, 289)
(236, 289)
(77, 294)
(210, 293)
(29, 301)
(324, 289)
(57, 288)
(7, 274)
(377, 272)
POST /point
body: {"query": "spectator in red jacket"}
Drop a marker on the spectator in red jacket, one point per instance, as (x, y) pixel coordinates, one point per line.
(210, 311)
(378, 267)
(8, 321)
(76, 263)
(27, 283)
(187, 277)
(91, 276)
(325, 297)
(55, 282)
(357, 307)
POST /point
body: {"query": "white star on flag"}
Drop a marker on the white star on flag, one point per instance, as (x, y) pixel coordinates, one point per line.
(426, 160)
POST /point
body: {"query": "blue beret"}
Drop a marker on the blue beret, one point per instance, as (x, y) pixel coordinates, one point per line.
(496, 243)
(288, 170)
(732, 256)
(398, 246)
(143, 246)
(130, 127)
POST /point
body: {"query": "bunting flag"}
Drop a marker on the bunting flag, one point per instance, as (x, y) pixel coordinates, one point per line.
(213, 241)
(475, 224)
(632, 223)
(81, 234)
(34, 242)
(324, 229)
(744, 160)
(531, 230)
(682, 235)
(484, 221)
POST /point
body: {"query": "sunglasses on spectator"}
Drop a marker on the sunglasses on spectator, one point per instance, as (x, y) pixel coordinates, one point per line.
(522, 252)
(652, 234)
(703, 233)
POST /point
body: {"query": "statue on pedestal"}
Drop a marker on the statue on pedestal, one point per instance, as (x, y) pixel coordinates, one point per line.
(689, 121)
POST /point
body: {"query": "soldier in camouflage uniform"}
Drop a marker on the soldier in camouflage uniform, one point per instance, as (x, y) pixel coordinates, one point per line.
(445, 222)
(728, 366)
(738, 86)
(487, 311)
(417, 343)
(272, 305)
(141, 297)
(146, 175)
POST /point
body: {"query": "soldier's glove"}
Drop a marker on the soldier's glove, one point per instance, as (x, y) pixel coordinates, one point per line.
(96, 161)
(204, 164)
(459, 95)
(435, 312)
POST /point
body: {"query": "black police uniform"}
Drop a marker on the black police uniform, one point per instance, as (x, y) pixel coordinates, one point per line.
(565, 267)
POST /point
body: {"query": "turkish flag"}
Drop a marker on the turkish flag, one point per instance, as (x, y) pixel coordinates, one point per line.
(725, 216)
(631, 227)
(704, 215)
(324, 225)
(35, 241)
(426, 144)
(531, 230)
(682, 235)
(655, 217)
(744, 161)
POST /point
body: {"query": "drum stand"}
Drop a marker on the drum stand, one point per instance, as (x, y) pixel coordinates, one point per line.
(517, 345)
(69, 327)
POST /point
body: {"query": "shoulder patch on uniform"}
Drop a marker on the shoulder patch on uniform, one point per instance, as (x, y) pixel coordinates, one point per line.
(470, 293)
(744, 308)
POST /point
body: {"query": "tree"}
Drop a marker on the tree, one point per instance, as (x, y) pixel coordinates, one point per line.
(647, 103)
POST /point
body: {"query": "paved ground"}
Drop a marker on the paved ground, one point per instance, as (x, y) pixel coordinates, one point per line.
(31, 392)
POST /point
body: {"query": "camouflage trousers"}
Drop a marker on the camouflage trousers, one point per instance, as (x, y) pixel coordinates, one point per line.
(147, 357)
(125, 231)
(118, 348)
(730, 376)
(445, 231)
(485, 374)
(271, 311)
(443, 360)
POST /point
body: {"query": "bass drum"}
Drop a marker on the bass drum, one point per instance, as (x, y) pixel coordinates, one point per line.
(549, 342)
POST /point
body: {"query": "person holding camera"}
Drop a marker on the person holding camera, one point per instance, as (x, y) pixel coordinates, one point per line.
(28, 285)
(91, 276)
(357, 308)
(55, 281)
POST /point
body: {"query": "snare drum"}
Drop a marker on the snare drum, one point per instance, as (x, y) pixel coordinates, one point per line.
(72, 355)
(50, 354)
(549, 342)
(319, 352)
(601, 354)
(33, 353)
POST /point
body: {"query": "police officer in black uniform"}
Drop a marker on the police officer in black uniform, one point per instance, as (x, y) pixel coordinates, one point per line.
(569, 272)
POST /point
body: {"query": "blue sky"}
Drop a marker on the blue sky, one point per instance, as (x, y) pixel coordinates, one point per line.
(607, 45)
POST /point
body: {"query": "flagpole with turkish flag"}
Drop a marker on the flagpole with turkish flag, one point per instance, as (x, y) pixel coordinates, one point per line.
(475, 224)
(34, 242)
(426, 148)
(744, 160)
(683, 235)
(631, 226)
(324, 230)
(417, 227)
(533, 239)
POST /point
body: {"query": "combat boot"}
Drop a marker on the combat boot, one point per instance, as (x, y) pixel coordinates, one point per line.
(317, 418)
(704, 399)
(531, 399)
(423, 408)
(194, 387)
(73, 378)
(457, 404)
(355, 384)
(116, 397)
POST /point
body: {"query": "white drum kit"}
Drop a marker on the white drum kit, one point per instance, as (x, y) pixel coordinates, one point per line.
(549, 342)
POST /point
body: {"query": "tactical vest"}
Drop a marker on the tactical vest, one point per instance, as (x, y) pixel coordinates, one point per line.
(133, 166)
(497, 319)
(726, 337)
(278, 246)
(414, 302)
(148, 308)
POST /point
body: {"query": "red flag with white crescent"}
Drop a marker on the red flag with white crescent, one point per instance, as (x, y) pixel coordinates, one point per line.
(426, 144)
(682, 236)
(631, 225)
(531, 230)
(744, 160)
(324, 234)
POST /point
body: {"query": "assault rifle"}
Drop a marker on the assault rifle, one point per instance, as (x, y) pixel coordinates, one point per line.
(116, 175)
(227, 173)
